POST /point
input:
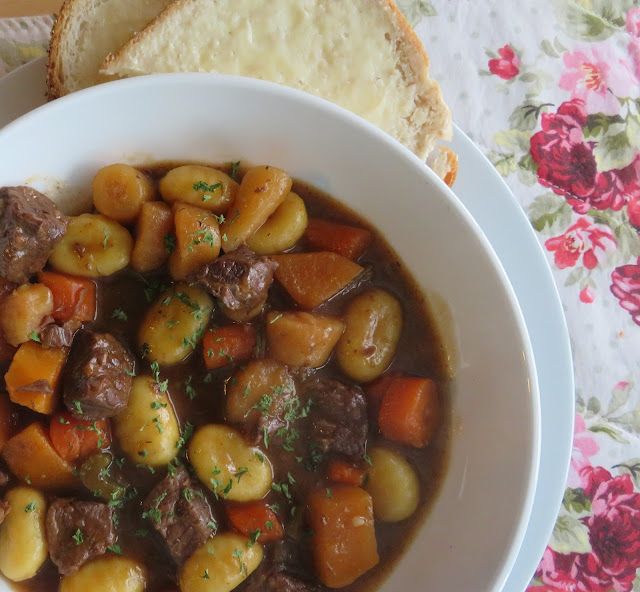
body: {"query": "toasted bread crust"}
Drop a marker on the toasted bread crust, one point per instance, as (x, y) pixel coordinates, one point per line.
(55, 73)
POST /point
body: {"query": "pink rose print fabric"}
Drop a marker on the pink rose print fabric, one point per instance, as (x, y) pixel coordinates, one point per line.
(550, 91)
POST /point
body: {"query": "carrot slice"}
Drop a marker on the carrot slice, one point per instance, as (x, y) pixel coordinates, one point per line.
(32, 458)
(34, 376)
(226, 345)
(73, 297)
(255, 520)
(340, 471)
(75, 439)
(344, 540)
(410, 411)
(348, 241)
(313, 278)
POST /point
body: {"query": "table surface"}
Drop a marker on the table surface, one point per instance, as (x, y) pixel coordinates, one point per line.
(552, 97)
(28, 7)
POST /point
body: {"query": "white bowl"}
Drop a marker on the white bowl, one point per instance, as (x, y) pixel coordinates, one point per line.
(471, 537)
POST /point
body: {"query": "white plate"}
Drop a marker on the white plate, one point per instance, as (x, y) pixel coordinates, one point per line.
(489, 200)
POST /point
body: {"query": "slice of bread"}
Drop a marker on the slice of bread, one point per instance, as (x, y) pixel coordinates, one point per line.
(85, 32)
(360, 54)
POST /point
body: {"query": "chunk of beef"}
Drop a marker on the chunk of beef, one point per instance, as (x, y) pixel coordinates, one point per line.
(30, 226)
(338, 418)
(97, 381)
(78, 531)
(179, 510)
(53, 335)
(240, 279)
(275, 580)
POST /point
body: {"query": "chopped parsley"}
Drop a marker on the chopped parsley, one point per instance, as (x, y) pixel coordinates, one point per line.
(188, 388)
(63, 420)
(163, 385)
(116, 549)
(205, 575)
(254, 535)
(235, 167)
(77, 405)
(119, 314)
(157, 405)
(329, 492)
(187, 494)
(154, 514)
(269, 524)
(282, 488)
(186, 434)
(30, 507)
(208, 378)
(204, 186)
(241, 471)
(212, 524)
(238, 554)
(105, 239)
(35, 336)
(78, 537)
(141, 533)
(158, 424)
(201, 236)
(169, 243)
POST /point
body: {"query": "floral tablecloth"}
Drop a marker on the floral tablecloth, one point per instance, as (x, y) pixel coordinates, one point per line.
(550, 90)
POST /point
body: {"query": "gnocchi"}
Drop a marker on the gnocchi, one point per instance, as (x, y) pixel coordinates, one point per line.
(174, 325)
(107, 574)
(258, 379)
(23, 543)
(119, 191)
(373, 326)
(201, 186)
(197, 240)
(393, 485)
(23, 311)
(154, 240)
(261, 192)
(283, 228)
(221, 564)
(147, 429)
(227, 465)
(302, 338)
(93, 246)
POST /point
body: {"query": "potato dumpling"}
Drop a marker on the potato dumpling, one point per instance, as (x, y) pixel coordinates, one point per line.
(200, 186)
(93, 246)
(23, 311)
(119, 190)
(154, 239)
(368, 345)
(197, 240)
(147, 429)
(302, 338)
(173, 326)
(221, 564)
(258, 379)
(283, 229)
(23, 544)
(262, 190)
(393, 484)
(227, 465)
(108, 573)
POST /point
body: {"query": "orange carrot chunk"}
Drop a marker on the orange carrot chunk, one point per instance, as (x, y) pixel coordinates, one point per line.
(348, 241)
(255, 520)
(73, 297)
(344, 538)
(226, 345)
(313, 278)
(342, 472)
(76, 439)
(34, 375)
(410, 411)
(32, 458)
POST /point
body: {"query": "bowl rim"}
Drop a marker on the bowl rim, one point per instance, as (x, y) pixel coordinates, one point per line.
(376, 135)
